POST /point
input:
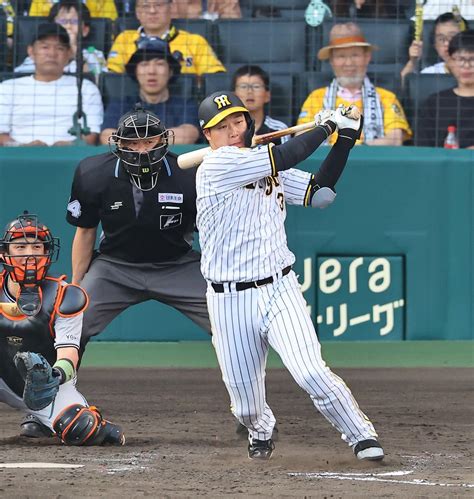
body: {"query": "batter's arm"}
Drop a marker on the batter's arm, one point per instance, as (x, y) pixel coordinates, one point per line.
(82, 248)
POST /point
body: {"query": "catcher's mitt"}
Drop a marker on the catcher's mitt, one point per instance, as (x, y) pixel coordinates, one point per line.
(41, 385)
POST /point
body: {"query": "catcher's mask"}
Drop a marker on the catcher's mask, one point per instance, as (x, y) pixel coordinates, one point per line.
(217, 106)
(28, 269)
(142, 165)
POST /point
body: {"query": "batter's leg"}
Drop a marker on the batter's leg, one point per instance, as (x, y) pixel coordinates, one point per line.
(291, 333)
(242, 354)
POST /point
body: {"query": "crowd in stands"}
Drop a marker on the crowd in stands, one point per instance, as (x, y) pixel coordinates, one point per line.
(150, 52)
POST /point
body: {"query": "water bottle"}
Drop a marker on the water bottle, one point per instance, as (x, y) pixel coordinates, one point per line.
(451, 140)
(95, 61)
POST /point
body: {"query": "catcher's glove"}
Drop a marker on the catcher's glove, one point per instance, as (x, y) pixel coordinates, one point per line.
(41, 384)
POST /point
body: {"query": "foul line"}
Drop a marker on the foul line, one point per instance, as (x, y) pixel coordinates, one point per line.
(378, 477)
(40, 465)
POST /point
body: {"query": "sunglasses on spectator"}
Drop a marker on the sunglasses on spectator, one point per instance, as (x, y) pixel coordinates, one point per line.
(255, 87)
(463, 61)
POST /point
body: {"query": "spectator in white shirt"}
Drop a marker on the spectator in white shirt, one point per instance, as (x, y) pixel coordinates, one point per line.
(38, 110)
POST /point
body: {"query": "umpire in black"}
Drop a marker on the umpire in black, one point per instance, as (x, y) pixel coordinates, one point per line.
(146, 205)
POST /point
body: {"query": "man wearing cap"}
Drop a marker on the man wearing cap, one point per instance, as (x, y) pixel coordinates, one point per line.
(349, 54)
(153, 67)
(195, 54)
(38, 110)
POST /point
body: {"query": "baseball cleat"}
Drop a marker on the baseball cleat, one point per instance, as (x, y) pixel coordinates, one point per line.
(243, 432)
(261, 449)
(32, 427)
(369, 450)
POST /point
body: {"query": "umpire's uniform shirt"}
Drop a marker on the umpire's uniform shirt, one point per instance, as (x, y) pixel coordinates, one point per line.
(145, 247)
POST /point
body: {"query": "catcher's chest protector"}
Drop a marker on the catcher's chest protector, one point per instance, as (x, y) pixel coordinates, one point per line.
(27, 334)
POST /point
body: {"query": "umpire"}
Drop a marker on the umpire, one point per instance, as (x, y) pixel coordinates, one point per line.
(146, 205)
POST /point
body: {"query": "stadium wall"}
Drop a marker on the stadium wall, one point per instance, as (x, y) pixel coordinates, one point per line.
(390, 260)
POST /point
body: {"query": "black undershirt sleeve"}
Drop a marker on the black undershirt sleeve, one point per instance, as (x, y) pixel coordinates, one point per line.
(292, 152)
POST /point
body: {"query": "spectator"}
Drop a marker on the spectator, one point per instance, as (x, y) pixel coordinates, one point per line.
(153, 67)
(193, 9)
(38, 109)
(65, 13)
(252, 85)
(194, 52)
(349, 55)
(9, 11)
(364, 8)
(454, 106)
(434, 8)
(445, 27)
(97, 8)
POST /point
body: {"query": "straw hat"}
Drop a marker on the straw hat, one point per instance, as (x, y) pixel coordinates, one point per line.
(342, 36)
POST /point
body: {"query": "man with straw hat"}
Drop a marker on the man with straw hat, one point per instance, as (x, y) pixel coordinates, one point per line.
(349, 54)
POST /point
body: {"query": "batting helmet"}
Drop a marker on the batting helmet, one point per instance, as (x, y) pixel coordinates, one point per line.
(34, 267)
(141, 165)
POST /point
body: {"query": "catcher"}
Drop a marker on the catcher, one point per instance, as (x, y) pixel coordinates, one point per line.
(40, 329)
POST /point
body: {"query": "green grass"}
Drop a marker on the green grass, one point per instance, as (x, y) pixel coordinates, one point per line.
(195, 354)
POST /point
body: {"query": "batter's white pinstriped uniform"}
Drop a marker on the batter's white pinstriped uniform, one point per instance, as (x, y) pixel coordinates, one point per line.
(240, 217)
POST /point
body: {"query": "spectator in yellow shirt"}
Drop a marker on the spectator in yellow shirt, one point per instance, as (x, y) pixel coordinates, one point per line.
(349, 55)
(195, 54)
(97, 8)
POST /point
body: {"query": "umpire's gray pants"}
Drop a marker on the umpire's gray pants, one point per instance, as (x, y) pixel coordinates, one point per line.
(114, 285)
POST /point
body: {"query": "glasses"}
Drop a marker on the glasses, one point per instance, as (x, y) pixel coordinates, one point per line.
(441, 39)
(463, 61)
(147, 7)
(255, 87)
(64, 22)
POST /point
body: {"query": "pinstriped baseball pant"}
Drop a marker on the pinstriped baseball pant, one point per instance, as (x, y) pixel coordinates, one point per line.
(245, 324)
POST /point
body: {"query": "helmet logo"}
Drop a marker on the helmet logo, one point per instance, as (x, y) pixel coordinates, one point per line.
(222, 101)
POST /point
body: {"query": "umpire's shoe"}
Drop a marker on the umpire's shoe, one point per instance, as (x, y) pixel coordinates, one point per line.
(32, 427)
(261, 449)
(369, 450)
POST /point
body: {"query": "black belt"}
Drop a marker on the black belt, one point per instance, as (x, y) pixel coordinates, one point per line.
(241, 286)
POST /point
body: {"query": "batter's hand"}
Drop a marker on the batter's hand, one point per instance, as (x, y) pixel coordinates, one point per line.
(347, 117)
(324, 116)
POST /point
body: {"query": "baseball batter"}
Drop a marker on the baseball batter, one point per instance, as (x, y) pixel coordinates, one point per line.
(40, 329)
(253, 296)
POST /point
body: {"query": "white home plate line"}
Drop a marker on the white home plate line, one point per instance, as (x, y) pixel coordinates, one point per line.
(40, 465)
(377, 477)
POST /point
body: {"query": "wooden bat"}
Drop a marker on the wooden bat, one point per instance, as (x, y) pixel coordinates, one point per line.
(11, 309)
(194, 158)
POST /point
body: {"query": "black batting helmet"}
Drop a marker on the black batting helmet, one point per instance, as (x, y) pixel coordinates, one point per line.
(35, 267)
(217, 106)
(142, 166)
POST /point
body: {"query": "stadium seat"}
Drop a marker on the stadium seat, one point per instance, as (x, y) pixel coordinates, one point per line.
(3, 42)
(418, 87)
(430, 55)
(25, 28)
(281, 86)
(391, 36)
(277, 42)
(114, 85)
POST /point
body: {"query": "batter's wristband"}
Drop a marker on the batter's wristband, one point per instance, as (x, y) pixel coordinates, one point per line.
(66, 369)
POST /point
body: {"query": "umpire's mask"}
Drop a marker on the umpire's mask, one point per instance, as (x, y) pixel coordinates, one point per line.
(141, 142)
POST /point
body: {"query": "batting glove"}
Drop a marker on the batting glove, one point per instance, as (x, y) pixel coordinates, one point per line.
(326, 119)
(343, 121)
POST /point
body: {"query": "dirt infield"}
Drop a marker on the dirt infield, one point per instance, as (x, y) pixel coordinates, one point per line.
(181, 440)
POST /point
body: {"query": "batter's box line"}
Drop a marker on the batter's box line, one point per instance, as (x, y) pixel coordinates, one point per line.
(379, 477)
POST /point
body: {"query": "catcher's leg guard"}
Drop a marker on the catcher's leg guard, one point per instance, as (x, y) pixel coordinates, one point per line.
(80, 425)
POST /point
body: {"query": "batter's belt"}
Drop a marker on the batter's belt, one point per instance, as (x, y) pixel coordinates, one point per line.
(241, 286)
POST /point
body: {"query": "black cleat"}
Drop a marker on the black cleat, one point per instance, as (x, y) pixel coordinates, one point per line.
(243, 432)
(32, 427)
(261, 449)
(369, 450)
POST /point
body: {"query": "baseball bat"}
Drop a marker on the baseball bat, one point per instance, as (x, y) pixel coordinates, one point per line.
(194, 158)
(11, 309)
